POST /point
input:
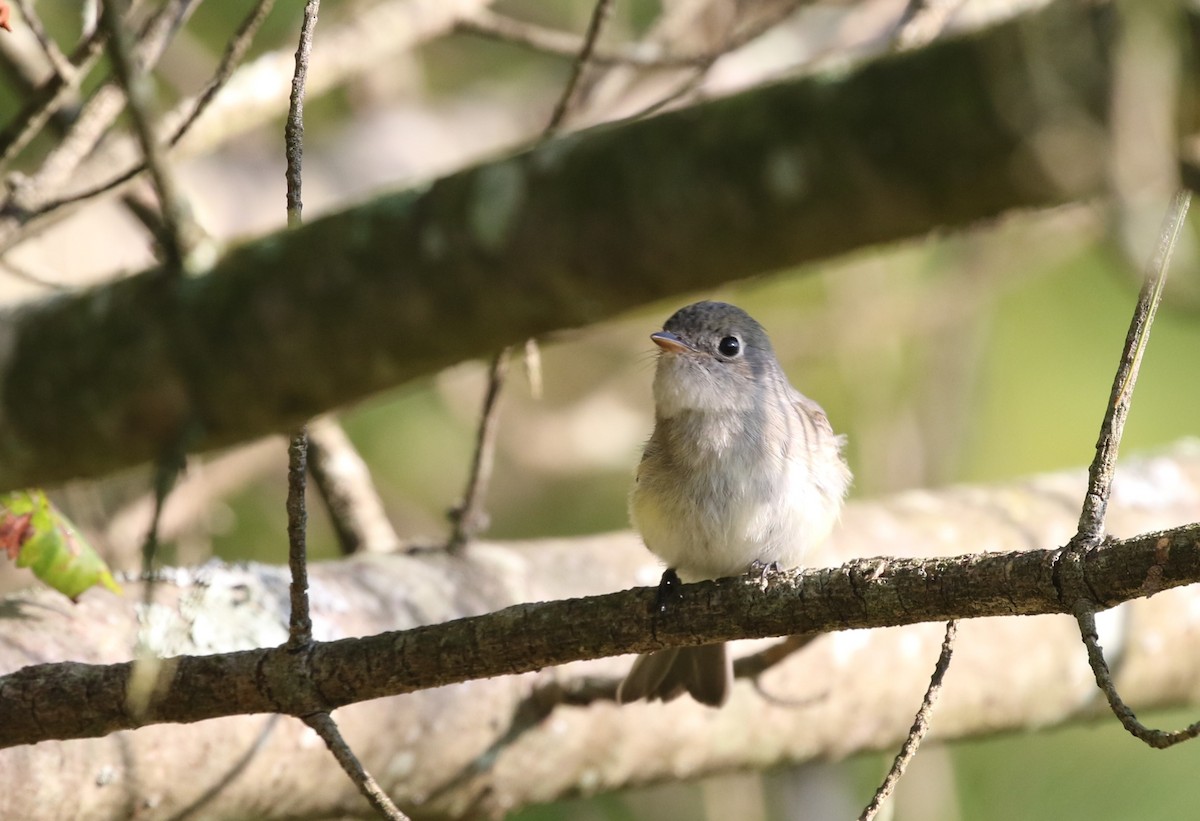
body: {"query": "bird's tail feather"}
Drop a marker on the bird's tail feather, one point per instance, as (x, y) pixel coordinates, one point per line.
(705, 672)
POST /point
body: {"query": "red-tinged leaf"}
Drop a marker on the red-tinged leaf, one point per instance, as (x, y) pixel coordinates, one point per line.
(5, 13)
(14, 531)
(50, 546)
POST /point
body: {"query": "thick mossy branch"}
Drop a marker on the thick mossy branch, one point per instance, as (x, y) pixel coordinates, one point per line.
(562, 236)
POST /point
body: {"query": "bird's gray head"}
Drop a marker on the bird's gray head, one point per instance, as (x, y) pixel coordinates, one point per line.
(714, 358)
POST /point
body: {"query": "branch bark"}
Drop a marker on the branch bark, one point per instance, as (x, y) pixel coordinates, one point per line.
(464, 749)
(561, 236)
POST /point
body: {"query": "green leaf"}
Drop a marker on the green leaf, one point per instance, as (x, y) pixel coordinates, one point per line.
(39, 537)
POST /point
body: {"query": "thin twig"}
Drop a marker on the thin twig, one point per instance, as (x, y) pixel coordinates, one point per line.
(294, 129)
(595, 25)
(48, 100)
(300, 632)
(139, 95)
(1069, 568)
(324, 726)
(1159, 739)
(300, 625)
(919, 728)
(98, 113)
(25, 275)
(150, 669)
(166, 472)
(62, 66)
(580, 691)
(141, 202)
(1103, 467)
(214, 789)
(235, 52)
(344, 482)
(754, 665)
(469, 516)
(487, 23)
(734, 41)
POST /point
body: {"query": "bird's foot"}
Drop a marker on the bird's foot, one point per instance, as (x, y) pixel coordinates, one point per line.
(668, 590)
(762, 570)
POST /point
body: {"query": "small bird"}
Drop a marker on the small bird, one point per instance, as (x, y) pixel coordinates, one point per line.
(741, 471)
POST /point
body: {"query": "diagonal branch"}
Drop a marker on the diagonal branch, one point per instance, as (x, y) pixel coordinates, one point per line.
(469, 517)
(919, 728)
(562, 236)
(135, 82)
(1104, 465)
(1102, 472)
(252, 97)
(69, 700)
(814, 697)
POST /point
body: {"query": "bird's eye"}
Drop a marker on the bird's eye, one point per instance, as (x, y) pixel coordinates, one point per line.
(729, 346)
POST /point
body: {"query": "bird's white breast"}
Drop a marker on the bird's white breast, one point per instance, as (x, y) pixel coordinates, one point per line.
(712, 508)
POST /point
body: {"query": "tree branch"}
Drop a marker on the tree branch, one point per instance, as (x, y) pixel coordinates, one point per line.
(252, 97)
(442, 751)
(565, 235)
(79, 701)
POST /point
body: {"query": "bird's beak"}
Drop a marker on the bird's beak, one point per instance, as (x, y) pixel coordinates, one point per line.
(670, 343)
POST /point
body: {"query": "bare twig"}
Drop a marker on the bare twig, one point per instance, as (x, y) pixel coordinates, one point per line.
(143, 204)
(1103, 467)
(101, 109)
(341, 477)
(324, 726)
(300, 625)
(195, 495)
(235, 52)
(253, 96)
(919, 728)
(525, 637)
(294, 129)
(52, 95)
(25, 275)
(755, 664)
(582, 691)
(344, 482)
(167, 471)
(140, 97)
(595, 25)
(489, 24)
(469, 516)
(1159, 739)
(1069, 574)
(62, 66)
(733, 41)
(300, 629)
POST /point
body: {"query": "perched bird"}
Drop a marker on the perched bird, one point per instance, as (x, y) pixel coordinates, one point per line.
(741, 469)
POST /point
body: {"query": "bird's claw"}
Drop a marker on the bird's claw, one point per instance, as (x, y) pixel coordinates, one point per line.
(762, 570)
(668, 590)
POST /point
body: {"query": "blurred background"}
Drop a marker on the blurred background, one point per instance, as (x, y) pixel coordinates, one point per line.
(972, 357)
